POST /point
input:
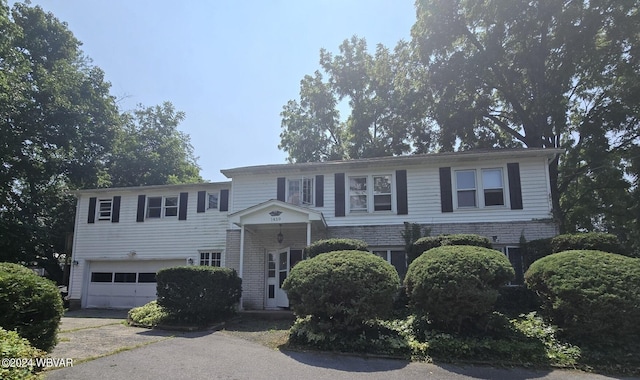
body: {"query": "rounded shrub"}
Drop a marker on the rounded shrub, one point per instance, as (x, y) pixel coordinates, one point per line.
(16, 347)
(593, 296)
(30, 304)
(596, 241)
(330, 245)
(422, 245)
(455, 285)
(344, 288)
(198, 294)
(426, 243)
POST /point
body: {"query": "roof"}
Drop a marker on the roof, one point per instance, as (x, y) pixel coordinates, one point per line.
(155, 187)
(416, 159)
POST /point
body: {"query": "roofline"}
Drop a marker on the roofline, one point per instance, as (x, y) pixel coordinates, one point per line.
(151, 187)
(429, 158)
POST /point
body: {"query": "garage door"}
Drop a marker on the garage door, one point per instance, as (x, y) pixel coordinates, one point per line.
(124, 284)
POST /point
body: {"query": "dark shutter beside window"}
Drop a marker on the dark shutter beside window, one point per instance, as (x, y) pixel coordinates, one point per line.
(340, 194)
(515, 189)
(91, 217)
(202, 199)
(401, 192)
(280, 193)
(446, 195)
(141, 204)
(182, 206)
(115, 213)
(224, 200)
(319, 191)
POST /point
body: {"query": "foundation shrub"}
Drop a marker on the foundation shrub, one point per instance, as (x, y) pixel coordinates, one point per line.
(330, 245)
(426, 243)
(342, 288)
(149, 315)
(592, 296)
(31, 305)
(13, 346)
(198, 294)
(456, 286)
(516, 300)
(596, 241)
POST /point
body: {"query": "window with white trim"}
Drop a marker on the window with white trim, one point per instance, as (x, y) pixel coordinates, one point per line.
(105, 208)
(493, 187)
(158, 207)
(212, 200)
(466, 188)
(485, 190)
(300, 191)
(211, 259)
(370, 193)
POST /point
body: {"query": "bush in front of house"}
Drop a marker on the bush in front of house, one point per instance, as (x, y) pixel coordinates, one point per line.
(456, 286)
(330, 245)
(15, 347)
(30, 304)
(198, 294)
(426, 243)
(596, 241)
(592, 296)
(535, 249)
(344, 288)
(149, 315)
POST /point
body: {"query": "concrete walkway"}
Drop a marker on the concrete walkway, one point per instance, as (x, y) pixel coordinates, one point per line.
(124, 352)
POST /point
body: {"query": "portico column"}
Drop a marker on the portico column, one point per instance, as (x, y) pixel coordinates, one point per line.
(241, 268)
(308, 234)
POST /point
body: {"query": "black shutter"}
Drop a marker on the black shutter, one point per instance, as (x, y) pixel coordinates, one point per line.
(91, 217)
(340, 195)
(202, 201)
(140, 214)
(446, 195)
(115, 212)
(515, 189)
(182, 208)
(401, 192)
(281, 189)
(319, 191)
(224, 200)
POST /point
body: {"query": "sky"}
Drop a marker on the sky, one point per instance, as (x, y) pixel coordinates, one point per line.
(229, 65)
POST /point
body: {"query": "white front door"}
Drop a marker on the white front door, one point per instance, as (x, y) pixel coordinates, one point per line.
(279, 264)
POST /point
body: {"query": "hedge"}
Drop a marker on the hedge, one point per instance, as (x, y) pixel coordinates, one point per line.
(30, 304)
(593, 296)
(13, 346)
(596, 241)
(455, 285)
(426, 243)
(198, 294)
(330, 245)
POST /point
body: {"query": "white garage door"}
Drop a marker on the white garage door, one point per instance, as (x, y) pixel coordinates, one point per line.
(124, 284)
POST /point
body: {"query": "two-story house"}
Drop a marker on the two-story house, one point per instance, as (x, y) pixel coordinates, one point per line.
(267, 214)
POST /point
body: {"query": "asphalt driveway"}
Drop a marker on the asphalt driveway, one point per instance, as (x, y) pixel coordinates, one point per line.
(126, 352)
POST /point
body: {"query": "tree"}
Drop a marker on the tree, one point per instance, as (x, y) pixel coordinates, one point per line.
(57, 121)
(150, 150)
(540, 74)
(387, 114)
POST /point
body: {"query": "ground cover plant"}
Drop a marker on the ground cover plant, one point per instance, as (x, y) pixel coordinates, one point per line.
(14, 347)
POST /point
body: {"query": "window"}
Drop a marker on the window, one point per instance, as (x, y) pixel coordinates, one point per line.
(124, 277)
(466, 188)
(159, 206)
(146, 277)
(211, 259)
(493, 187)
(213, 200)
(101, 276)
(104, 209)
(395, 257)
(382, 193)
(370, 193)
(358, 194)
(300, 191)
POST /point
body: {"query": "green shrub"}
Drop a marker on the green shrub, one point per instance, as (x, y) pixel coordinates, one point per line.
(343, 288)
(30, 304)
(595, 241)
(198, 294)
(591, 295)
(536, 249)
(455, 285)
(516, 300)
(149, 315)
(330, 245)
(426, 243)
(12, 346)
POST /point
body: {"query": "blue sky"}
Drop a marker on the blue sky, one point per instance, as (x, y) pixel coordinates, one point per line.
(229, 65)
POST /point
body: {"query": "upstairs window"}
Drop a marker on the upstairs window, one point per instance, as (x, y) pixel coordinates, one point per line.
(370, 193)
(300, 191)
(483, 190)
(105, 207)
(358, 195)
(382, 193)
(158, 207)
(466, 188)
(212, 200)
(211, 259)
(493, 187)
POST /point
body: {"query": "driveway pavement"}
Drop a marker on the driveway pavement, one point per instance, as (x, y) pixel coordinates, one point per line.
(141, 354)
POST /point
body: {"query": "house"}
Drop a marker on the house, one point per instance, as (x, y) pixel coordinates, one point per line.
(260, 221)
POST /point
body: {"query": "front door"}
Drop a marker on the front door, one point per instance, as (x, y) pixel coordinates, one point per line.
(279, 264)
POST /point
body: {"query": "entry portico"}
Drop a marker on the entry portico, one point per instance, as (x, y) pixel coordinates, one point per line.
(272, 237)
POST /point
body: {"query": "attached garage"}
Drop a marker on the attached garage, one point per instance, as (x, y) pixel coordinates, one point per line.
(123, 284)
